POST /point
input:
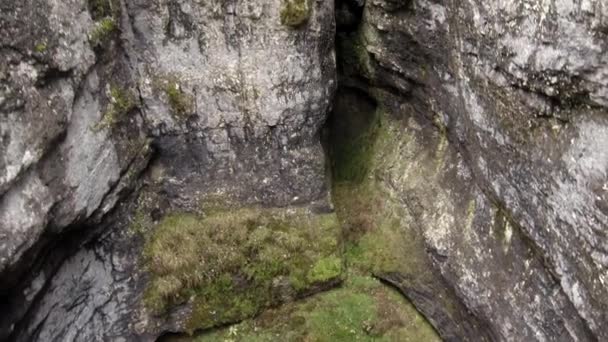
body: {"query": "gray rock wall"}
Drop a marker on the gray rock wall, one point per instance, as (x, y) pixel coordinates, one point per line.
(518, 91)
(494, 150)
(222, 96)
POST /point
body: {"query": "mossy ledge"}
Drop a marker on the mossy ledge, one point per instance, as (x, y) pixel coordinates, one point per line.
(181, 103)
(233, 262)
(375, 243)
(362, 310)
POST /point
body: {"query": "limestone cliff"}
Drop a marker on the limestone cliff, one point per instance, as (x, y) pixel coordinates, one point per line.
(173, 166)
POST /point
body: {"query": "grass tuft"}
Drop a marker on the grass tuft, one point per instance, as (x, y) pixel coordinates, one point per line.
(102, 31)
(181, 103)
(122, 102)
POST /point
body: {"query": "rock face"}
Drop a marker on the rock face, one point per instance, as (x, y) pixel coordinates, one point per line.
(467, 142)
(178, 98)
(497, 133)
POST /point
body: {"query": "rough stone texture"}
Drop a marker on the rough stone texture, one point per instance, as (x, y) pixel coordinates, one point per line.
(220, 95)
(58, 175)
(259, 91)
(496, 113)
(503, 163)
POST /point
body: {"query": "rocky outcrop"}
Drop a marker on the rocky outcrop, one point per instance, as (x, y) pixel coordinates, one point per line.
(467, 145)
(174, 99)
(496, 134)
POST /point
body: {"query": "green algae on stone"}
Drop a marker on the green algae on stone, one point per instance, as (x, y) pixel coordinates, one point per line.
(295, 13)
(363, 309)
(231, 263)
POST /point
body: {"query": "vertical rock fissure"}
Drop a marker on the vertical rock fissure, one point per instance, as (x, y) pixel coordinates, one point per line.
(353, 129)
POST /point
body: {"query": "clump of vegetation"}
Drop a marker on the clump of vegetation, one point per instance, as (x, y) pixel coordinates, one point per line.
(325, 268)
(122, 102)
(233, 262)
(41, 47)
(102, 31)
(362, 310)
(181, 103)
(295, 13)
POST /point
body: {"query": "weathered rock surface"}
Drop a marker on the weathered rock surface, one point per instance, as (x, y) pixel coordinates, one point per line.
(222, 96)
(500, 127)
(488, 150)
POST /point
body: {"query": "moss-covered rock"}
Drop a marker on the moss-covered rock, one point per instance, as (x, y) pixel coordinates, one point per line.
(295, 13)
(376, 243)
(41, 47)
(121, 102)
(362, 310)
(181, 103)
(235, 261)
(103, 31)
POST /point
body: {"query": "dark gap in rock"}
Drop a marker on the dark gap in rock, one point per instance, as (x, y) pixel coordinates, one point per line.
(351, 133)
(47, 260)
(350, 138)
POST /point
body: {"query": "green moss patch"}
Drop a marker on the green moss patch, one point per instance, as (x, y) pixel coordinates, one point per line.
(232, 262)
(181, 103)
(295, 13)
(102, 31)
(362, 310)
(122, 102)
(171, 86)
(377, 237)
(41, 47)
